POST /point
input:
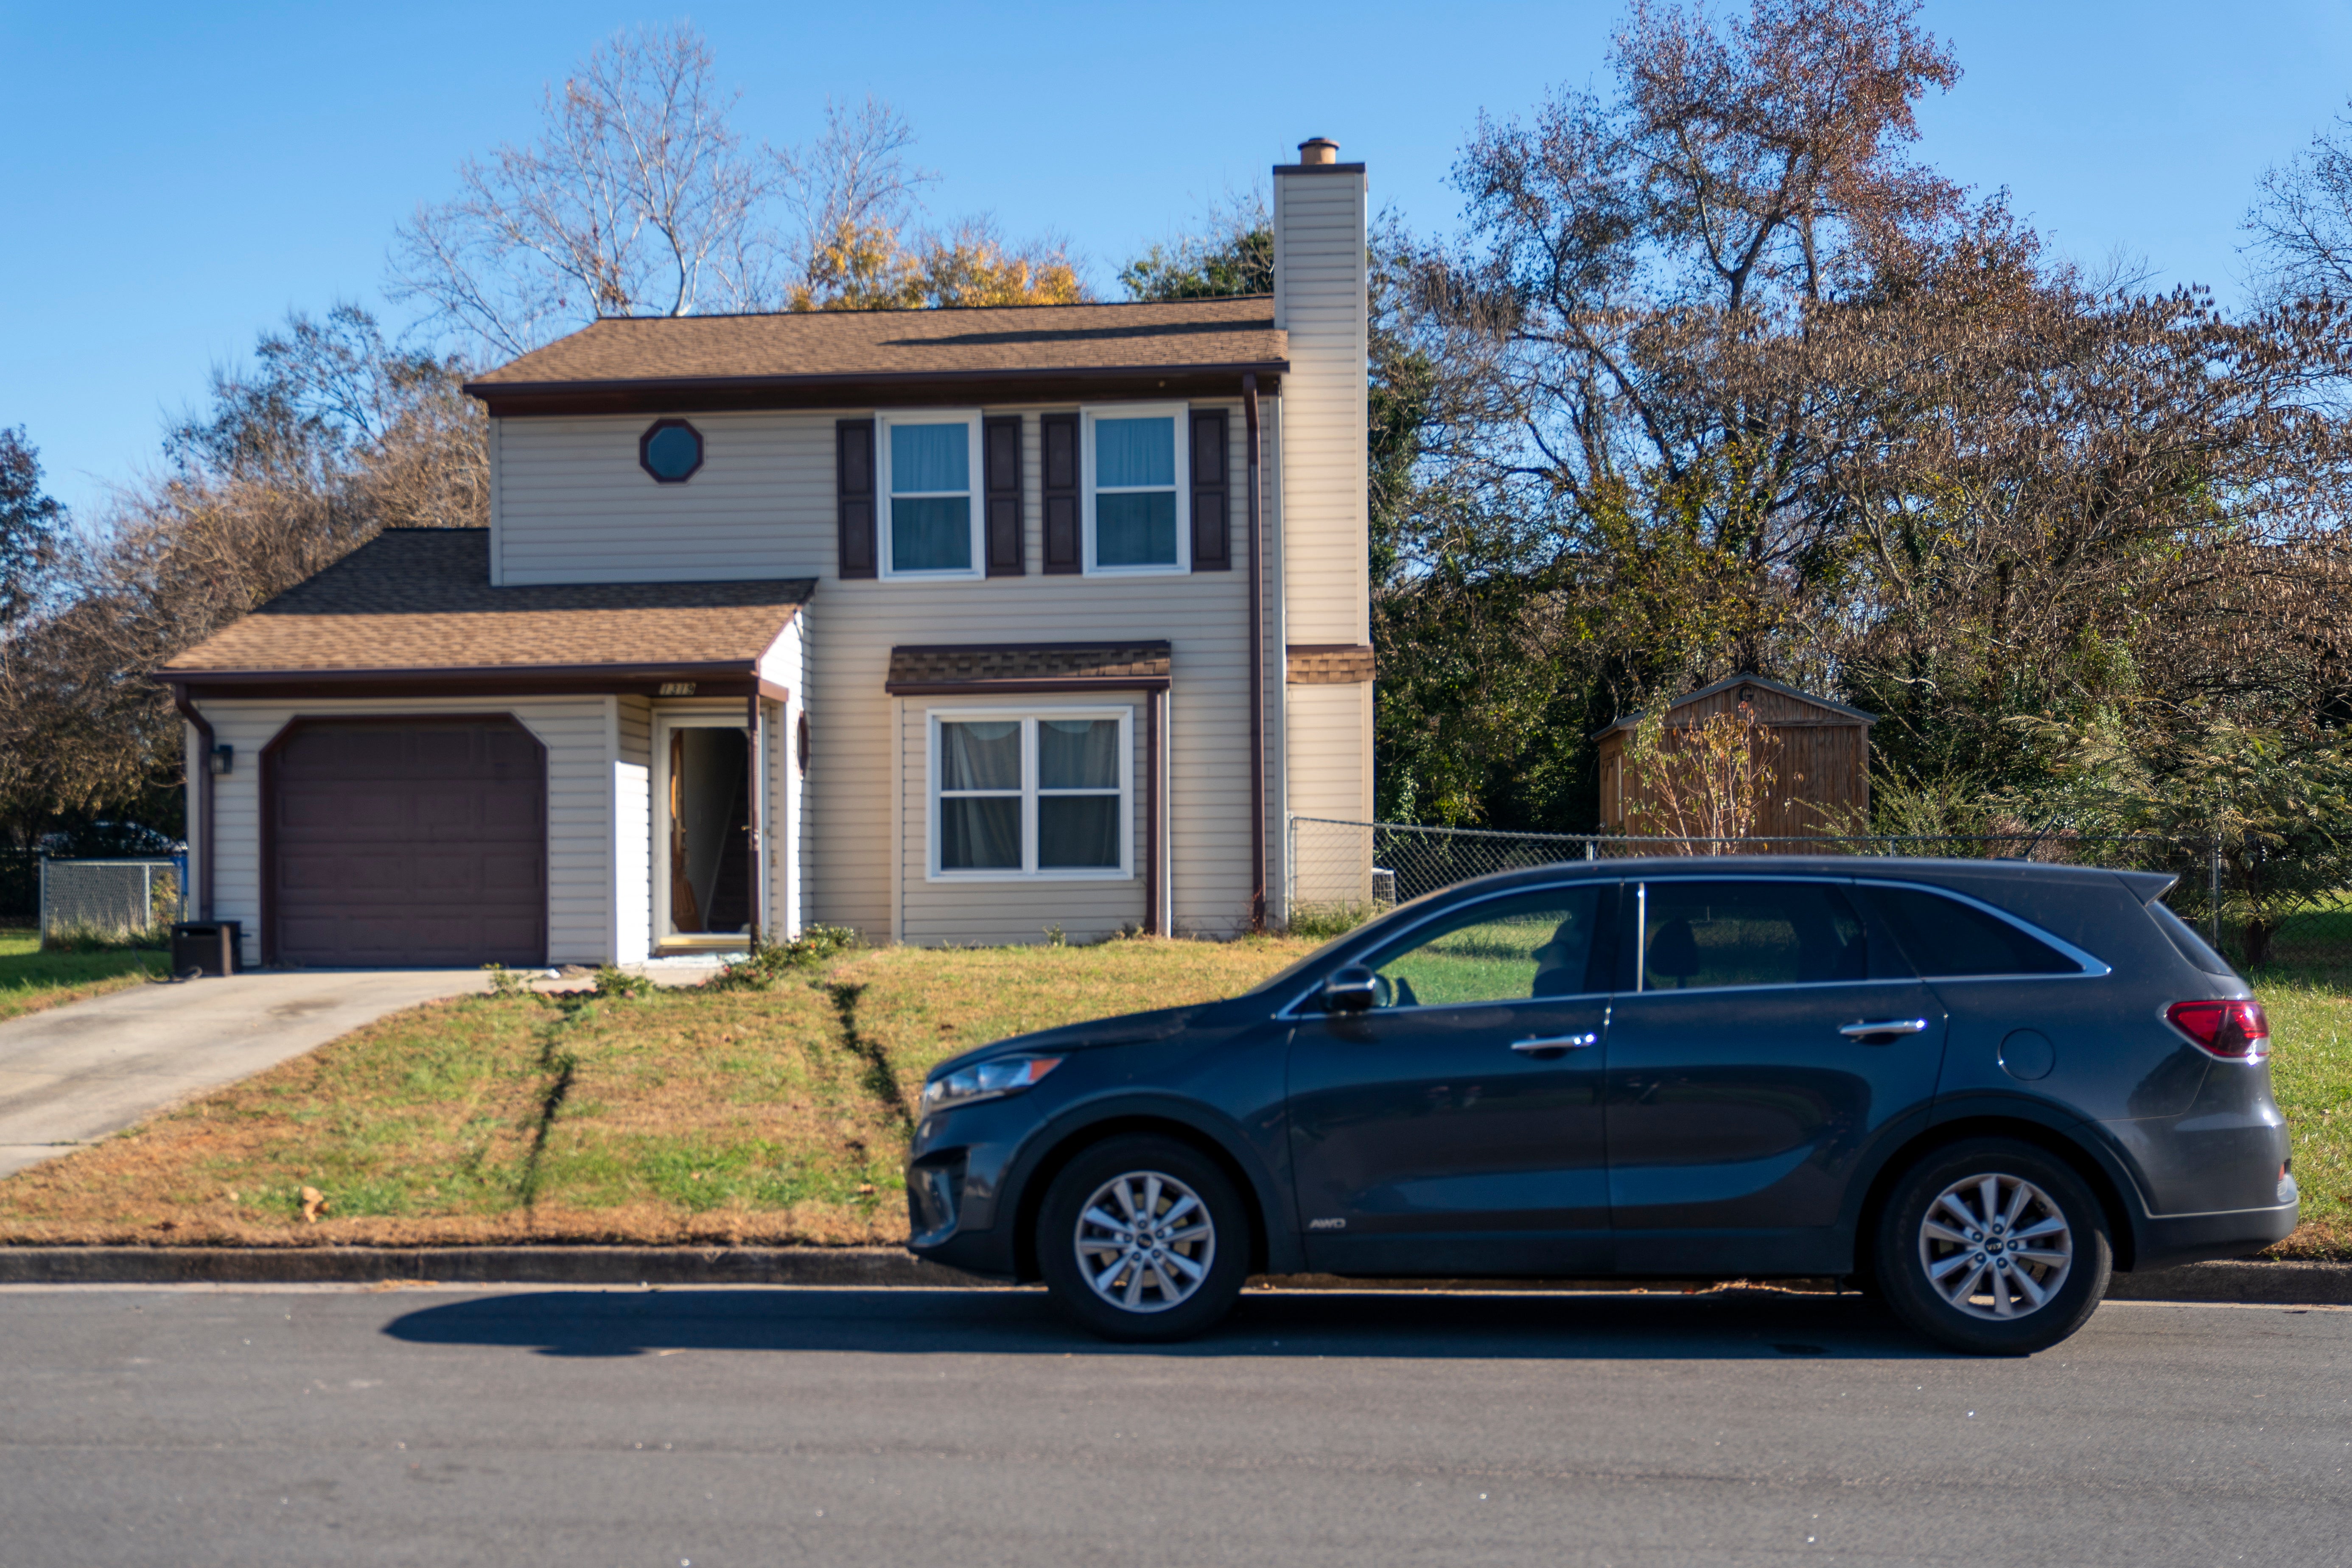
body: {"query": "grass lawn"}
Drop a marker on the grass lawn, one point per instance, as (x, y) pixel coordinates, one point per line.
(739, 1118)
(31, 980)
(744, 1118)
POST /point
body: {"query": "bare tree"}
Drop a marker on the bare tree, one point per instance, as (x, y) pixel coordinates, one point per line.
(638, 198)
(2300, 227)
(852, 186)
(329, 436)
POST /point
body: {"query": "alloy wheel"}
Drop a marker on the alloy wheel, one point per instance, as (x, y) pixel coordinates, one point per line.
(1145, 1241)
(1996, 1245)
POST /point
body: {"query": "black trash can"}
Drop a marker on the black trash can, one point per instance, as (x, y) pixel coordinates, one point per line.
(205, 947)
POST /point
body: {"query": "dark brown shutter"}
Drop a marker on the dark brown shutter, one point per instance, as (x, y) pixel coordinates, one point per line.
(854, 494)
(1212, 531)
(1057, 436)
(1000, 456)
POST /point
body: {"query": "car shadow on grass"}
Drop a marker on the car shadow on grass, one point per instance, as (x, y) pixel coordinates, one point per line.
(1740, 1325)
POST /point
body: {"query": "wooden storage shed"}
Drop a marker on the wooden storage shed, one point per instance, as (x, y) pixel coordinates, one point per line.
(1817, 758)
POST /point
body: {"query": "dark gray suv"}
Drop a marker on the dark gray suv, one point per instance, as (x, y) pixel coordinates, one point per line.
(1973, 1087)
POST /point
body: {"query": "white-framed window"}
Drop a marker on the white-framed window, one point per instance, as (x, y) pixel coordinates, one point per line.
(1139, 507)
(1038, 793)
(926, 468)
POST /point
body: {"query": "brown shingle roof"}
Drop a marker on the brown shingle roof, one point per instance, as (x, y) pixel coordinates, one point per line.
(421, 599)
(1027, 666)
(1007, 340)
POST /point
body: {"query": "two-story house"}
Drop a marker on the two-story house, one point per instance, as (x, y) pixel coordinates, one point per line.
(948, 625)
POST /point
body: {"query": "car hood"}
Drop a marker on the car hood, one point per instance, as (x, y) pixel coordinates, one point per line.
(1125, 1030)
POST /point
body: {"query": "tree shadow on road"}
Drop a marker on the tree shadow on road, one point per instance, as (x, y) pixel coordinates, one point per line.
(1733, 1325)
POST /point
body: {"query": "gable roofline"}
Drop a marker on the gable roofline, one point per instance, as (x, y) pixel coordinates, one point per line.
(815, 357)
(1829, 703)
(708, 394)
(417, 605)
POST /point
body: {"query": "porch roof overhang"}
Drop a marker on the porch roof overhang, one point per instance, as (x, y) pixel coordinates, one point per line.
(979, 669)
(412, 614)
(723, 679)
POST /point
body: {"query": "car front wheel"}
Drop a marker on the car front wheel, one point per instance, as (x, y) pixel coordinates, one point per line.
(1143, 1238)
(1993, 1247)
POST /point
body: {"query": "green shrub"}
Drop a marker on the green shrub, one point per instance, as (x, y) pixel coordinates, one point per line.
(770, 962)
(1321, 922)
(614, 981)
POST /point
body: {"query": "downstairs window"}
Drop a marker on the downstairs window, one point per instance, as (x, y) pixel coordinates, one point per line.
(1043, 794)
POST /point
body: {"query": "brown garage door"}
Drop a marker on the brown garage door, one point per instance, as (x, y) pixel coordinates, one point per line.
(420, 842)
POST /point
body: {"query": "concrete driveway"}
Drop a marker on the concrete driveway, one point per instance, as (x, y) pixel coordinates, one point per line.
(77, 1073)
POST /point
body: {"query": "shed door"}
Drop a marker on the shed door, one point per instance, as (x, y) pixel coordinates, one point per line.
(417, 842)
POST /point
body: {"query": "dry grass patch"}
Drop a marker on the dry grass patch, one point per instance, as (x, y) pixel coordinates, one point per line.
(760, 1118)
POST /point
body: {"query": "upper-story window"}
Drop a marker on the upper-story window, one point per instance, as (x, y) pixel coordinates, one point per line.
(926, 463)
(1137, 515)
(670, 451)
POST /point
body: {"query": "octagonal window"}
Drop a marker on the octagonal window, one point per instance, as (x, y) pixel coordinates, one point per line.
(670, 451)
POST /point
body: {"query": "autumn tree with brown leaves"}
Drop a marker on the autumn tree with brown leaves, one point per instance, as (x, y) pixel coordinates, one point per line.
(1725, 379)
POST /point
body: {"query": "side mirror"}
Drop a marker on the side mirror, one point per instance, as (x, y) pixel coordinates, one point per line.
(1352, 988)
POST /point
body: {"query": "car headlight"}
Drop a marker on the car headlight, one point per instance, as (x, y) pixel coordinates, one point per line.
(985, 1081)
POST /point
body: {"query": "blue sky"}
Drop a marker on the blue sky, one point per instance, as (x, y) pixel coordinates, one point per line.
(178, 176)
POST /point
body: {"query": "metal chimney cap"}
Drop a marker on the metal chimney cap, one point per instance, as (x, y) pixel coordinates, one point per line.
(1318, 150)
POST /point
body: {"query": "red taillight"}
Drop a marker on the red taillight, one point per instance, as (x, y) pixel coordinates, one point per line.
(2233, 1031)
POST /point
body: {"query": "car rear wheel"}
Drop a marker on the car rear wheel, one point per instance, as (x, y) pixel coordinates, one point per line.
(1993, 1247)
(1143, 1238)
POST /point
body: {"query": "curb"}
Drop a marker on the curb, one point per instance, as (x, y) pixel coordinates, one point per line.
(880, 1268)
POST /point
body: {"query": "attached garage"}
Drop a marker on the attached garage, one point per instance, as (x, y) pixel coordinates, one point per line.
(410, 841)
(397, 764)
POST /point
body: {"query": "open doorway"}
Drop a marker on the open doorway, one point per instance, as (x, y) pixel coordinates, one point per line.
(702, 872)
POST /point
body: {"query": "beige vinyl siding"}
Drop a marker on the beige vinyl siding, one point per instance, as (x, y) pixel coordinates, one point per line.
(1274, 639)
(1319, 299)
(1330, 778)
(577, 732)
(633, 832)
(852, 803)
(575, 507)
(1327, 750)
(1007, 913)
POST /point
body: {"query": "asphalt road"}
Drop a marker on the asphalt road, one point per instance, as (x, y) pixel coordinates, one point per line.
(708, 1428)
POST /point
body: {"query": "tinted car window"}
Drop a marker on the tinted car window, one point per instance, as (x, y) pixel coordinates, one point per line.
(1697, 935)
(2192, 946)
(1504, 950)
(1949, 940)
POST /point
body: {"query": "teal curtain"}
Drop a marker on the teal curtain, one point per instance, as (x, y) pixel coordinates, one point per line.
(927, 458)
(1138, 529)
(1134, 453)
(932, 536)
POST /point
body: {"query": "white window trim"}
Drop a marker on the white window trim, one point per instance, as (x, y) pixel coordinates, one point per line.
(973, 478)
(1028, 719)
(1181, 413)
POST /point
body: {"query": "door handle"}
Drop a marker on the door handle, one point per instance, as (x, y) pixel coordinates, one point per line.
(1557, 1043)
(1888, 1027)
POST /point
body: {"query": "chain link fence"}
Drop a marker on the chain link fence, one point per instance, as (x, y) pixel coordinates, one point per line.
(108, 901)
(1343, 873)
